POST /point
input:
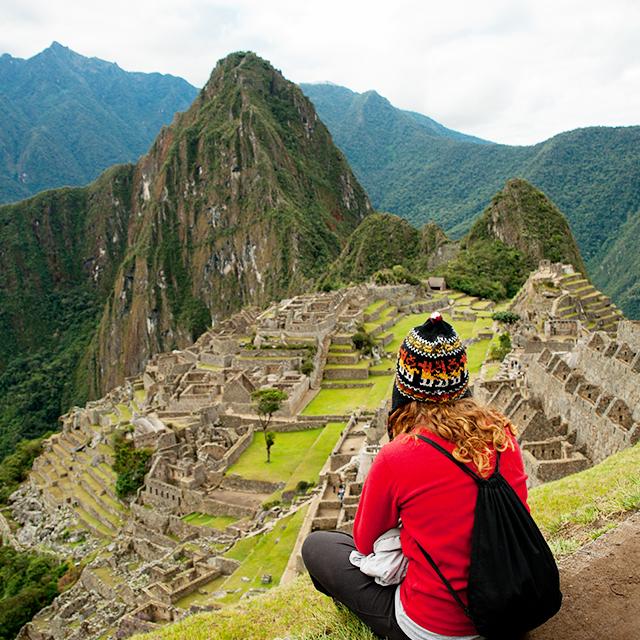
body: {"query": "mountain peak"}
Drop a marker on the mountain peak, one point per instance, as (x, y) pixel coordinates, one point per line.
(523, 217)
(58, 49)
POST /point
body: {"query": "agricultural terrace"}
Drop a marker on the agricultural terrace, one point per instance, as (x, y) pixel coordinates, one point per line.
(341, 395)
(264, 554)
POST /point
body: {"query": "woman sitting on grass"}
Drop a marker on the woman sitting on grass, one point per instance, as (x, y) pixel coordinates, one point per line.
(414, 484)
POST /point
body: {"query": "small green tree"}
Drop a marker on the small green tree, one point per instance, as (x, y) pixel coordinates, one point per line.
(269, 440)
(363, 341)
(130, 464)
(306, 367)
(267, 402)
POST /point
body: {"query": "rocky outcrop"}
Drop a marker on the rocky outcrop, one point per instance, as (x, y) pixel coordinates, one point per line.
(243, 199)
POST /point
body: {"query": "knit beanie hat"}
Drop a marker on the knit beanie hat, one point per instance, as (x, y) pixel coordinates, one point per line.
(431, 365)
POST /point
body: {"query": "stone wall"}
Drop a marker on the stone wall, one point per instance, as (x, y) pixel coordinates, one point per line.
(232, 456)
(597, 433)
(346, 373)
(238, 483)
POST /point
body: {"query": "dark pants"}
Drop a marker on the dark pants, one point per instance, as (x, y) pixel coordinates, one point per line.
(326, 556)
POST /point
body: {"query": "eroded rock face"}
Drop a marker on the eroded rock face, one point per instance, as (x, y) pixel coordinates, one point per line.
(243, 199)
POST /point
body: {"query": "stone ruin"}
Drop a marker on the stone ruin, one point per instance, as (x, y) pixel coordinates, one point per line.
(571, 385)
(192, 409)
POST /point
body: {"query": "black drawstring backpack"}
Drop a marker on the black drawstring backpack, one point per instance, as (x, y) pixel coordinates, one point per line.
(514, 584)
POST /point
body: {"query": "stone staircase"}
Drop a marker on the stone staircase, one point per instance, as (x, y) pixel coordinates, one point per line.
(584, 302)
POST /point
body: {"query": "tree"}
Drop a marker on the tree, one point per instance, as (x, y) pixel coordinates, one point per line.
(363, 341)
(267, 402)
(269, 439)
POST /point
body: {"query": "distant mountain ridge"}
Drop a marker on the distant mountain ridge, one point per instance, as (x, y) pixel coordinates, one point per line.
(592, 175)
(65, 118)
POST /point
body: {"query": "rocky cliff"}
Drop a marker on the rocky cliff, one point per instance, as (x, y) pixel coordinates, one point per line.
(242, 200)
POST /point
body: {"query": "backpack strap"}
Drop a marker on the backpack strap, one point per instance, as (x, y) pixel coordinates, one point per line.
(479, 479)
(446, 583)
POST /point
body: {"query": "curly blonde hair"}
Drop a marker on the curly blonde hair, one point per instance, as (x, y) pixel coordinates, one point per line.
(470, 426)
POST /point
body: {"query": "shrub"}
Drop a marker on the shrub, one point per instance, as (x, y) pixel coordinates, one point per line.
(15, 467)
(363, 341)
(303, 486)
(500, 350)
(396, 275)
(306, 367)
(130, 464)
(508, 317)
(29, 583)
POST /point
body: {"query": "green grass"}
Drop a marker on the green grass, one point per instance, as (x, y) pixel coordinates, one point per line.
(125, 412)
(206, 520)
(502, 306)
(402, 328)
(374, 306)
(315, 457)
(570, 511)
(476, 354)
(296, 455)
(384, 365)
(295, 611)
(491, 370)
(344, 401)
(208, 367)
(464, 328)
(361, 364)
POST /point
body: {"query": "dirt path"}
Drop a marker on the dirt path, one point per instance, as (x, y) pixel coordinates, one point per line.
(601, 587)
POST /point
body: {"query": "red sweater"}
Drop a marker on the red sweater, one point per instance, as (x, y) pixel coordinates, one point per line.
(409, 479)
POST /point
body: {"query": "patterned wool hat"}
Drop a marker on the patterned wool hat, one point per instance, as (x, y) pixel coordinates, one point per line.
(431, 365)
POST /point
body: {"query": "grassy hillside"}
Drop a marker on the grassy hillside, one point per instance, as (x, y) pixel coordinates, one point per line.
(618, 270)
(520, 227)
(570, 511)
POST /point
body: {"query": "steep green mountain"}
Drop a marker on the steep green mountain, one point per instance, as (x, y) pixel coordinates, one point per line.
(519, 228)
(243, 199)
(59, 252)
(65, 118)
(592, 174)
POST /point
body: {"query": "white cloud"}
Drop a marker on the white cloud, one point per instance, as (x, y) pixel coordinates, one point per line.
(514, 71)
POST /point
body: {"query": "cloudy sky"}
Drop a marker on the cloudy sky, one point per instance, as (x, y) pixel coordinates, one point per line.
(512, 71)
